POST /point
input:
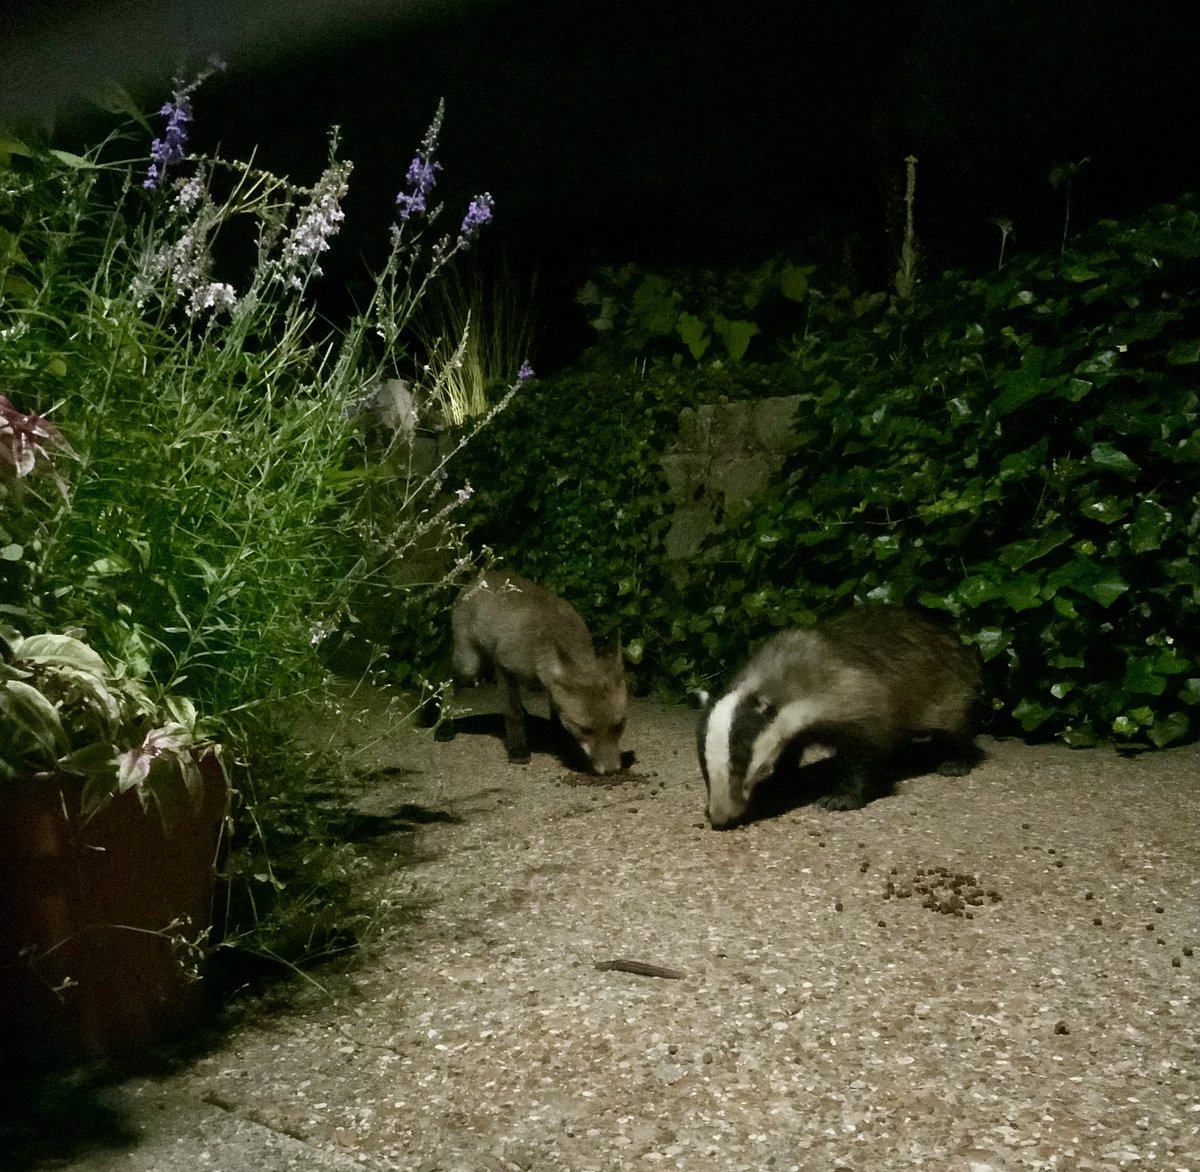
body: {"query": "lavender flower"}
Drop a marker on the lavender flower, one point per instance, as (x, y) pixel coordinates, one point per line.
(178, 112)
(173, 145)
(216, 295)
(465, 493)
(525, 373)
(320, 222)
(422, 171)
(189, 195)
(188, 264)
(479, 212)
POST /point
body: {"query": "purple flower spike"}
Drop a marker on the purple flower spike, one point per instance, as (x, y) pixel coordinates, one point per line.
(479, 212)
(422, 171)
(422, 175)
(173, 145)
(525, 373)
(178, 112)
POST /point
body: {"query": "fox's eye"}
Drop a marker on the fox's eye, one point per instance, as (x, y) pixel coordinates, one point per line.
(585, 731)
(619, 727)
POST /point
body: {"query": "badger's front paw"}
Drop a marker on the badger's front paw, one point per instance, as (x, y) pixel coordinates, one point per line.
(954, 768)
(840, 801)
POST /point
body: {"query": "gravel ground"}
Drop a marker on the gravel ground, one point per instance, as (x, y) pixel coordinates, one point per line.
(989, 972)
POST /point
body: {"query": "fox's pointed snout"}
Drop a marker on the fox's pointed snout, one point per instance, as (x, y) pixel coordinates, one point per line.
(605, 762)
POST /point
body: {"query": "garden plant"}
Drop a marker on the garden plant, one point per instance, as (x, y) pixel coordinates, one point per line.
(190, 508)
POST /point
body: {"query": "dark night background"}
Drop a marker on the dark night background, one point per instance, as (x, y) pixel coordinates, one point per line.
(670, 133)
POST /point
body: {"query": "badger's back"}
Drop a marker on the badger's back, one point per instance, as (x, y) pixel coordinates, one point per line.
(897, 673)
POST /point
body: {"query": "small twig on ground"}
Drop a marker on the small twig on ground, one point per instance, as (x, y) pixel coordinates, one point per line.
(640, 968)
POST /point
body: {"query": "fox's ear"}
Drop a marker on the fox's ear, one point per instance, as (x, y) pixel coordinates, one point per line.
(558, 666)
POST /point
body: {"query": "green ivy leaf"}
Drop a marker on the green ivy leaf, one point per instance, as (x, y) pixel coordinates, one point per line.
(1166, 730)
(1106, 510)
(654, 306)
(1141, 676)
(793, 281)
(1147, 528)
(1019, 387)
(976, 590)
(1022, 591)
(1031, 714)
(1101, 363)
(694, 334)
(735, 335)
(1184, 354)
(1107, 589)
(1100, 583)
(1020, 553)
(1112, 459)
(1062, 660)
(991, 641)
(1064, 607)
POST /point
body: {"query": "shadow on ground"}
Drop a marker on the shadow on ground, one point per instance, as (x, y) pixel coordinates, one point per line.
(51, 1117)
(794, 785)
(545, 737)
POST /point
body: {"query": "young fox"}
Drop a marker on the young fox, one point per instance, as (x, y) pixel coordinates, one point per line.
(527, 635)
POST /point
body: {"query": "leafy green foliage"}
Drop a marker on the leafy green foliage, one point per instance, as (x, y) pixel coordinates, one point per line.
(1020, 451)
(196, 509)
(62, 708)
(706, 316)
(569, 488)
(212, 524)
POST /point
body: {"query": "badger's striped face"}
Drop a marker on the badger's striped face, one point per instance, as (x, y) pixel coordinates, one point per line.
(741, 737)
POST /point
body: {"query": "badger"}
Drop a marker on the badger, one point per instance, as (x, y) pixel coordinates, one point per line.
(864, 685)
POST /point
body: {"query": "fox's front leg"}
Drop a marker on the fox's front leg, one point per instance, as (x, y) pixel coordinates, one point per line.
(515, 738)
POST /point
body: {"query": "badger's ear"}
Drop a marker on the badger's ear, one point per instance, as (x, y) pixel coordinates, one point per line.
(762, 705)
(703, 696)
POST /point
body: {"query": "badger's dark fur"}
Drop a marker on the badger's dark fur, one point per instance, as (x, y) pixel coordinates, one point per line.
(865, 684)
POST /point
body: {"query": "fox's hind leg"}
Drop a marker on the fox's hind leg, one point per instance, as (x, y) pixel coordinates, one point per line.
(516, 740)
(466, 665)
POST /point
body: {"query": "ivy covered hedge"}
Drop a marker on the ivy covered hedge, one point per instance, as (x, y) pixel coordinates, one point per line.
(1021, 450)
(569, 489)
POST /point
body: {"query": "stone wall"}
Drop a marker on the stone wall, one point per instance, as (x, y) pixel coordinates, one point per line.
(722, 455)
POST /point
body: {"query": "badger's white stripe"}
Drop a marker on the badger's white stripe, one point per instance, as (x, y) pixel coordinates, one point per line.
(792, 719)
(716, 744)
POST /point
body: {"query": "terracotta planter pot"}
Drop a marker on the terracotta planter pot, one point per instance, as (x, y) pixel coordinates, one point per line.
(100, 919)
